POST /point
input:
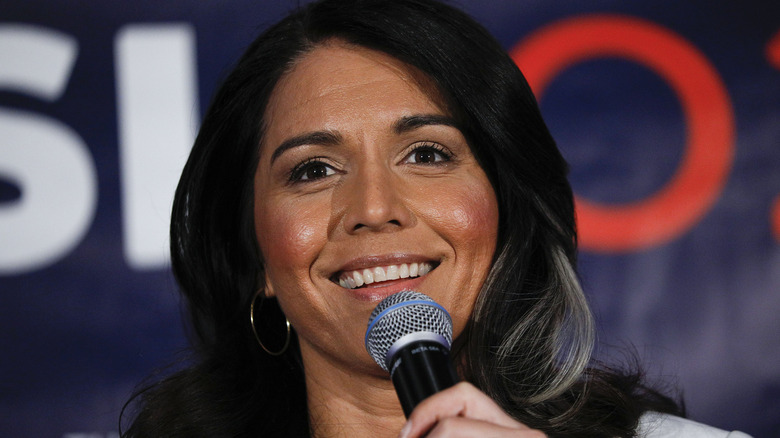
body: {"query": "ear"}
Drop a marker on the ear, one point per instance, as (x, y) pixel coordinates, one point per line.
(268, 288)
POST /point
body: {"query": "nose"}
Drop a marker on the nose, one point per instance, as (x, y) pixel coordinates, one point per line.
(375, 201)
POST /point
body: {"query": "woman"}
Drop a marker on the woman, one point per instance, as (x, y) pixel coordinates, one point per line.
(360, 148)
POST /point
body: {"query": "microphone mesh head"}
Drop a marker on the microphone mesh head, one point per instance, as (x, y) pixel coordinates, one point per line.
(401, 314)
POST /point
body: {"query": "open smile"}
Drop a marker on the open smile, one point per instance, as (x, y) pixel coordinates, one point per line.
(362, 277)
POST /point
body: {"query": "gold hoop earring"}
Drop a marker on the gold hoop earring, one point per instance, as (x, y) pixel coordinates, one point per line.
(254, 330)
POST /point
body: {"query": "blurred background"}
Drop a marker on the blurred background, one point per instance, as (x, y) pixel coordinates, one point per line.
(668, 112)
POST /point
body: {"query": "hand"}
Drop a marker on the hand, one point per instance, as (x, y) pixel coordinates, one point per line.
(463, 411)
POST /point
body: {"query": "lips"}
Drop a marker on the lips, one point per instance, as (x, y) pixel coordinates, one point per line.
(353, 279)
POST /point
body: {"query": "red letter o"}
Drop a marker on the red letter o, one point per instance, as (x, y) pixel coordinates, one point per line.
(709, 150)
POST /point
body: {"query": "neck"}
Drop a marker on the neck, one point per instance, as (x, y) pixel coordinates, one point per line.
(346, 403)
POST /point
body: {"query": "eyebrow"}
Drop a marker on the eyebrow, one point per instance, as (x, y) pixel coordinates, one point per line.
(330, 138)
(327, 138)
(410, 123)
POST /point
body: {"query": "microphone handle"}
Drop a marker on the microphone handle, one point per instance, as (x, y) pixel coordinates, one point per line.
(420, 370)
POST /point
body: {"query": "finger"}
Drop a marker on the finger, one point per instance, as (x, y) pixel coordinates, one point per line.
(459, 427)
(461, 400)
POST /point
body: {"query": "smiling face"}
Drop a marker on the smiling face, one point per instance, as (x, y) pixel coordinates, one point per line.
(364, 188)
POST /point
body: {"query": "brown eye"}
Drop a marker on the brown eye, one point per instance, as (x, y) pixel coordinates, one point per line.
(428, 154)
(314, 172)
(425, 156)
(311, 170)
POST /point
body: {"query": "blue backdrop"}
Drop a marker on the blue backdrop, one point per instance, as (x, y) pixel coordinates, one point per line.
(668, 111)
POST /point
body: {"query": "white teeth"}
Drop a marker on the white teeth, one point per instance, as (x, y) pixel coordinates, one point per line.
(355, 279)
(368, 277)
(379, 275)
(392, 272)
(358, 278)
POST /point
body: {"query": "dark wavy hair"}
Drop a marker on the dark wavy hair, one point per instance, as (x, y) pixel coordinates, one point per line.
(528, 343)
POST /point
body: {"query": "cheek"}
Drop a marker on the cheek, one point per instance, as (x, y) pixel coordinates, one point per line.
(468, 220)
(288, 235)
(471, 217)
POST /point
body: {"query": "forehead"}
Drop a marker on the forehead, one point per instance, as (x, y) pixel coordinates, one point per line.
(337, 79)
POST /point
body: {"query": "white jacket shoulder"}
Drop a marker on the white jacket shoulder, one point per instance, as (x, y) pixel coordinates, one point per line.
(656, 425)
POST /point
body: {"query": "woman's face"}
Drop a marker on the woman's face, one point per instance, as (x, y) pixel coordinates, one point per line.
(365, 188)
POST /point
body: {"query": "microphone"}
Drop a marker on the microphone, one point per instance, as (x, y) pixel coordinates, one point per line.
(409, 335)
